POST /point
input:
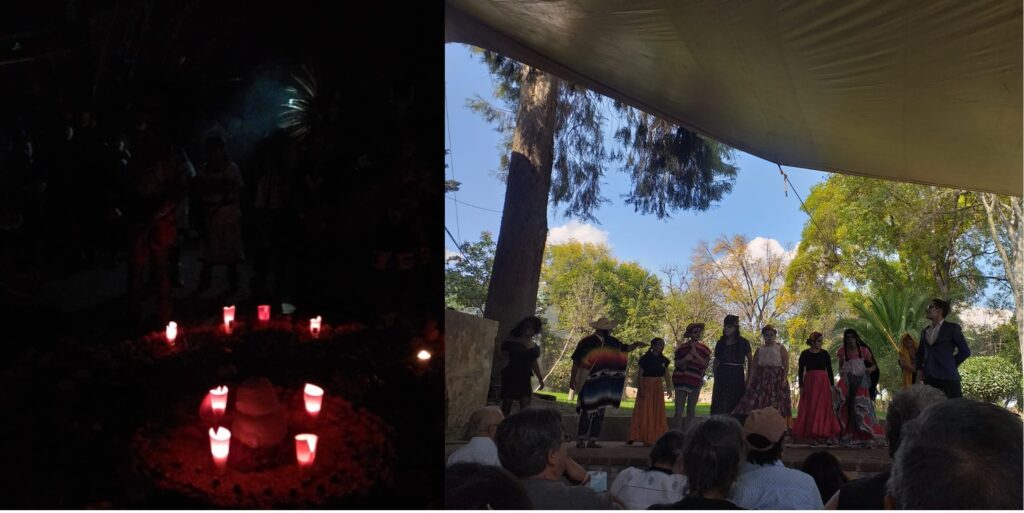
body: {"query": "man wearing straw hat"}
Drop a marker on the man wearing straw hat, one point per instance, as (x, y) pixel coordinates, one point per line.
(598, 376)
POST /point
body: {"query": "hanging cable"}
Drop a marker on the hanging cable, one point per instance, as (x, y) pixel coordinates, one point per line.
(459, 247)
(828, 240)
(451, 157)
(474, 206)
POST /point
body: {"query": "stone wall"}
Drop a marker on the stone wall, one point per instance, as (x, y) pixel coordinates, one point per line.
(469, 350)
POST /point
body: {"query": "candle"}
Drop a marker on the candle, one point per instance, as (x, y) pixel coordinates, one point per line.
(220, 445)
(264, 312)
(229, 318)
(423, 355)
(314, 397)
(305, 449)
(314, 326)
(219, 399)
(171, 332)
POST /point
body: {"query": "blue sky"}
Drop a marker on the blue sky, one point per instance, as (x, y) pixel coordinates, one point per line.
(757, 206)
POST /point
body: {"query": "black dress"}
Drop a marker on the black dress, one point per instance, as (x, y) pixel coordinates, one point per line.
(515, 377)
(729, 376)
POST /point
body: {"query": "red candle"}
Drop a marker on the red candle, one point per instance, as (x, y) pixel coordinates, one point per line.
(305, 449)
(220, 445)
(314, 326)
(229, 318)
(314, 397)
(172, 332)
(219, 399)
(264, 312)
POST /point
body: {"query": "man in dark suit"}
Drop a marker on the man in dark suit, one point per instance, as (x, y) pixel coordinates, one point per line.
(936, 360)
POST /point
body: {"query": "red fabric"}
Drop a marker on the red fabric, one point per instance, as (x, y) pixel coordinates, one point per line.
(816, 419)
(692, 374)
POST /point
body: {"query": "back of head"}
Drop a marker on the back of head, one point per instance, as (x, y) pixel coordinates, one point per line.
(477, 486)
(525, 438)
(763, 430)
(826, 471)
(667, 448)
(960, 454)
(906, 406)
(482, 420)
(712, 454)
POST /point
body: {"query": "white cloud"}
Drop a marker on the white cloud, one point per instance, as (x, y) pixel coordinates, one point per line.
(760, 246)
(580, 232)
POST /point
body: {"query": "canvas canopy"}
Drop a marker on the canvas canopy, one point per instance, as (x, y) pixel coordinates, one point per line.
(917, 91)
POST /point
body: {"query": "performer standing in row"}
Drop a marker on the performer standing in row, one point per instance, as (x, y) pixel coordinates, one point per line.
(766, 381)
(649, 420)
(732, 352)
(854, 407)
(598, 376)
(691, 359)
(816, 418)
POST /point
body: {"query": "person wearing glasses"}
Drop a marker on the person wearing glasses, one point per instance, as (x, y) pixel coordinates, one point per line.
(941, 351)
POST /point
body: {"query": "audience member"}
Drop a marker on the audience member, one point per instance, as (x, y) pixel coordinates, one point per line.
(826, 471)
(764, 482)
(869, 492)
(478, 486)
(711, 459)
(640, 488)
(480, 432)
(530, 446)
(959, 454)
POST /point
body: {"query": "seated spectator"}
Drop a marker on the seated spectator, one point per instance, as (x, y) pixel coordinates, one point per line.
(479, 486)
(826, 471)
(530, 447)
(959, 454)
(480, 431)
(658, 484)
(711, 459)
(869, 492)
(764, 482)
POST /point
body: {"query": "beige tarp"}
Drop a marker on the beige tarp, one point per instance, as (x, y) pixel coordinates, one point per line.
(917, 91)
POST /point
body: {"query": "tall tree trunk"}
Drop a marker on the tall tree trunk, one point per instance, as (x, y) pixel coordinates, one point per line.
(1011, 223)
(515, 275)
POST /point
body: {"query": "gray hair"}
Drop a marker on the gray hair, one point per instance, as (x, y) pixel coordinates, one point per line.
(906, 405)
(482, 420)
(960, 454)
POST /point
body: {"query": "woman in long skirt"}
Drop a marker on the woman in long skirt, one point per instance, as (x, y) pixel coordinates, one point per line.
(732, 353)
(649, 420)
(817, 420)
(853, 404)
(766, 382)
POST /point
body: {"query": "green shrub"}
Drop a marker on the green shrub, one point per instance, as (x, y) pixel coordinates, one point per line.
(989, 378)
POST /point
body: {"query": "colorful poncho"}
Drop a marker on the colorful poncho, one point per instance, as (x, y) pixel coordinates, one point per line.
(606, 362)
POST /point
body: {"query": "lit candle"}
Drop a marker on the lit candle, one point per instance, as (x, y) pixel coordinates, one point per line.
(314, 397)
(229, 318)
(172, 332)
(220, 445)
(305, 449)
(219, 399)
(423, 355)
(314, 326)
(264, 312)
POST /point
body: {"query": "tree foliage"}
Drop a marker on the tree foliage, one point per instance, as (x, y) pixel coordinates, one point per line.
(466, 278)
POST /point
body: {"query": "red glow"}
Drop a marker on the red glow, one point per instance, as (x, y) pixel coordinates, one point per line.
(229, 318)
(171, 332)
(264, 312)
(314, 326)
(220, 445)
(219, 399)
(314, 397)
(305, 449)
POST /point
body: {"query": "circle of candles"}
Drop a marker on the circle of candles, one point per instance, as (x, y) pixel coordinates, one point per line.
(219, 399)
(172, 332)
(220, 445)
(314, 397)
(263, 312)
(305, 449)
(314, 326)
(423, 355)
(229, 318)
